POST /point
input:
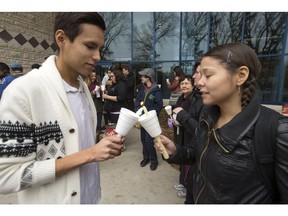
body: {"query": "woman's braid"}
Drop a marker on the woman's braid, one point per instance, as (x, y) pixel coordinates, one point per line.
(249, 88)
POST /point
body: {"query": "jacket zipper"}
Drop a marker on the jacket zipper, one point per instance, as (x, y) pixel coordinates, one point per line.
(200, 160)
(218, 142)
(206, 147)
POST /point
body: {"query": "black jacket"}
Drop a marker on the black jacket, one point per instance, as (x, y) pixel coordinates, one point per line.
(226, 172)
(188, 119)
(118, 89)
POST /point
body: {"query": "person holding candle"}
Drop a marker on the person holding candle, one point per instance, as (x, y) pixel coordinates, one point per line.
(48, 150)
(224, 144)
(149, 96)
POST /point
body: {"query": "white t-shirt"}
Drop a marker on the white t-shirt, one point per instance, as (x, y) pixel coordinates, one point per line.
(89, 173)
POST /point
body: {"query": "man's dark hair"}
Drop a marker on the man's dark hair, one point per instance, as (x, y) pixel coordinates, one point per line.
(70, 22)
(4, 67)
(35, 66)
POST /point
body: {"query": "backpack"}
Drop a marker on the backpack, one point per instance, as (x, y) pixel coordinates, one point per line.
(263, 149)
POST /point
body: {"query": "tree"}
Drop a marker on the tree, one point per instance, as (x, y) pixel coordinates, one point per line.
(194, 32)
(116, 24)
(226, 28)
(265, 31)
(161, 27)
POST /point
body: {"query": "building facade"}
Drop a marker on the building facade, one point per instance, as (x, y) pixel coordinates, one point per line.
(26, 38)
(163, 40)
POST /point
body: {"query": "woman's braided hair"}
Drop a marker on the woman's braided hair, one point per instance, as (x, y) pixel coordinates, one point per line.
(235, 55)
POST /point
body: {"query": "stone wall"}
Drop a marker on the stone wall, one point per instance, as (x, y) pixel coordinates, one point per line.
(26, 37)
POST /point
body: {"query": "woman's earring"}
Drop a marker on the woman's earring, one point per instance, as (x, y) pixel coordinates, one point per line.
(239, 90)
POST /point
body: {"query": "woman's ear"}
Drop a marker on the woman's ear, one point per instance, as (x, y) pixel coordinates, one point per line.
(242, 75)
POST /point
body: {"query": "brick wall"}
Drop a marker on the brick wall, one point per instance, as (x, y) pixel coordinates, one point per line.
(26, 37)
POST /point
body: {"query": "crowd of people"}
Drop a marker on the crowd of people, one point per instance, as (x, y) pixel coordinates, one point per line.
(50, 143)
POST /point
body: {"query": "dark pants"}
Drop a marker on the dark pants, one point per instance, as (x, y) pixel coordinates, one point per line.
(111, 117)
(189, 198)
(130, 104)
(148, 151)
(99, 121)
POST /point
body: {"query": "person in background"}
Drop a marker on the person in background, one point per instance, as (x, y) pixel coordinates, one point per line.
(223, 142)
(48, 121)
(174, 86)
(16, 69)
(95, 89)
(150, 94)
(181, 135)
(115, 98)
(106, 81)
(130, 83)
(5, 77)
(189, 119)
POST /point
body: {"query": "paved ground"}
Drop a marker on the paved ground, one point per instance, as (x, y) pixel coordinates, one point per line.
(125, 182)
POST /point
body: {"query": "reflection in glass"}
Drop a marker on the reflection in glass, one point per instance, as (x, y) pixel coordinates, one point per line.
(268, 78)
(264, 32)
(167, 31)
(194, 35)
(117, 36)
(225, 28)
(143, 36)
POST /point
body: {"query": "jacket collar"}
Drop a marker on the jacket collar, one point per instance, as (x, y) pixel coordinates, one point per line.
(232, 132)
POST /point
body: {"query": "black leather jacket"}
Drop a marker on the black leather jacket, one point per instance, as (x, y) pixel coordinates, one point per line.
(226, 172)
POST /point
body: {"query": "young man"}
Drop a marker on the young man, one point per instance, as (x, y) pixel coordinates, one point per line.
(48, 128)
(150, 95)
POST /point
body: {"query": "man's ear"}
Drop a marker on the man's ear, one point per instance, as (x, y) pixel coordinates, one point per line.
(60, 38)
(242, 75)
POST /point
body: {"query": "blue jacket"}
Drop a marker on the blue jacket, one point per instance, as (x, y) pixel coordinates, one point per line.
(153, 100)
(5, 82)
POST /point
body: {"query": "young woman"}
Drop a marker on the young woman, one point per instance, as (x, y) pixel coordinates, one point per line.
(115, 98)
(223, 144)
(174, 86)
(95, 90)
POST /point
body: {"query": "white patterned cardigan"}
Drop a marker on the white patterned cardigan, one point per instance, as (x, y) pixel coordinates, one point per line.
(37, 127)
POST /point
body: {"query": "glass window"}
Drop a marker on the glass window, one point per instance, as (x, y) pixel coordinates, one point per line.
(286, 39)
(264, 32)
(167, 32)
(117, 36)
(187, 66)
(142, 36)
(226, 27)
(284, 92)
(165, 71)
(194, 35)
(268, 78)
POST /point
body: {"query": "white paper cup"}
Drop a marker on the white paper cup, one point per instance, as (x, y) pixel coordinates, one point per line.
(102, 87)
(150, 123)
(127, 119)
(168, 109)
